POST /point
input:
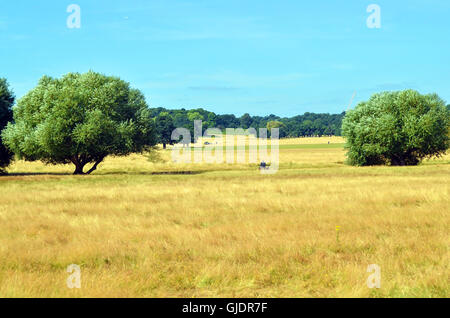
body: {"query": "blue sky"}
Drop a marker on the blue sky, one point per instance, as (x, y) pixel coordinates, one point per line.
(234, 56)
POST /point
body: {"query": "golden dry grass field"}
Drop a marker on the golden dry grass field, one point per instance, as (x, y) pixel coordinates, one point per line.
(143, 229)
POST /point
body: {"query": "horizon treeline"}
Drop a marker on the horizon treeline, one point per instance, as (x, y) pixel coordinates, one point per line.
(306, 125)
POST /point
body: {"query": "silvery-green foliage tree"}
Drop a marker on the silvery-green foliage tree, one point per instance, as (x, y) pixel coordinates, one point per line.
(396, 128)
(80, 119)
(6, 103)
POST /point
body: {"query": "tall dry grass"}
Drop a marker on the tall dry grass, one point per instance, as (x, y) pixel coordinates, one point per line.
(143, 229)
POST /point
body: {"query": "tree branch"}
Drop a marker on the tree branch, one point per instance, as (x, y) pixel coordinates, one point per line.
(94, 167)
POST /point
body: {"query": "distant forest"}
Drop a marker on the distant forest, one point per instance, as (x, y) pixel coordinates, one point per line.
(308, 124)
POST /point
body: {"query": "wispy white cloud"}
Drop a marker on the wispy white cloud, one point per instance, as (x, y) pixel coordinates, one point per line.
(392, 86)
(213, 88)
(342, 66)
(18, 37)
(183, 20)
(241, 79)
(225, 80)
(395, 86)
(225, 28)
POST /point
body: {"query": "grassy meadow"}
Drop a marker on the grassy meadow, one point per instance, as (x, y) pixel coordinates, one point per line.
(142, 226)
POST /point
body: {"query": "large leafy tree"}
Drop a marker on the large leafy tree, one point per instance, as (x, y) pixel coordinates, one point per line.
(80, 119)
(246, 121)
(277, 124)
(6, 115)
(397, 128)
(164, 128)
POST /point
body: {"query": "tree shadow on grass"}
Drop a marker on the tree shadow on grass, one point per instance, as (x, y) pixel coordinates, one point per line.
(25, 174)
(149, 173)
(155, 173)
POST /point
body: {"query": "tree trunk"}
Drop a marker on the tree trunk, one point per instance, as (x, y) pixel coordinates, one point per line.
(94, 167)
(164, 145)
(78, 169)
(398, 161)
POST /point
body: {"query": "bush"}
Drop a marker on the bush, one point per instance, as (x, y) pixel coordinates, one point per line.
(6, 115)
(396, 128)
